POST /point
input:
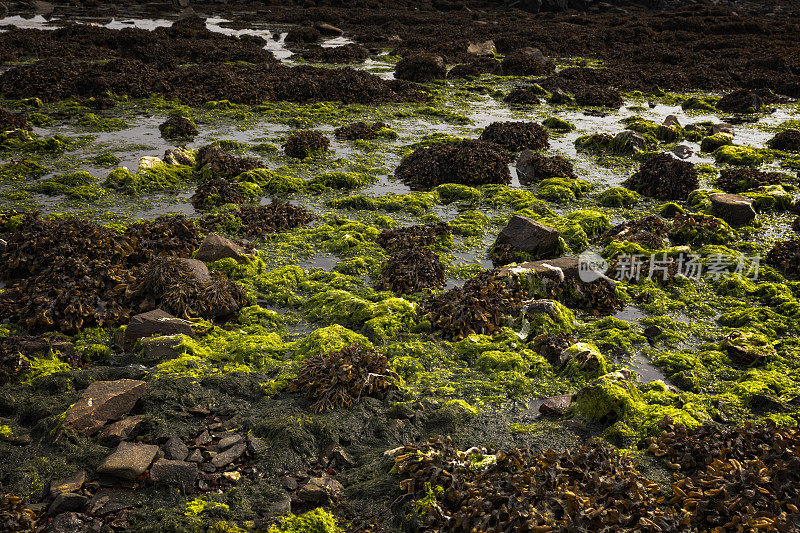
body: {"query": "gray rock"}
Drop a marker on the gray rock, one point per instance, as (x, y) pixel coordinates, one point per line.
(229, 441)
(158, 349)
(67, 523)
(103, 401)
(524, 234)
(682, 151)
(282, 506)
(734, 209)
(327, 30)
(216, 247)
(319, 489)
(67, 501)
(156, 322)
(556, 405)
(630, 141)
(672, 120)
(182, 473)
(198, 268)
(175, 449)
(69, 484)
(179, 156)
(722, 127)
(128, 461)
(125, 429)
(228, 456)
(195, 456)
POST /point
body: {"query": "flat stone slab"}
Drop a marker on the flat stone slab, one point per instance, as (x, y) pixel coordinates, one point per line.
(129, 461)
(156, 322)
(216, 247)
(103, 401)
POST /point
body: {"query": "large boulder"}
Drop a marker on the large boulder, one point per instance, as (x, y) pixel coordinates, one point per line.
(156, 322)
(734, 209)
(525, 235)
(216, 247)
(103, 401)
(421, 68)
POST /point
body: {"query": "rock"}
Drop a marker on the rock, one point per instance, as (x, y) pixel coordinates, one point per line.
(281, 507)
(128, 461)
(229, 441)
(67, 501)
(103, 401)
(203, 439)
(328, 30)
(182, 473)
(156, 322)
(557, 96)
(228, 456)
(70, 484)
(256, 446)
(722, 127)
(556, 405)
(67, 523)
(629, 142)
(485, 48)
(111, 500)
(179, 156)
(125, 429)
(523, 234)
(734, 209)
(175, 449)
(158, 349)
(672, 120)
(198, 268)
(232, 476)
(289, 483)
(216, 247)
(195, 457)
(319, 489)
(339, 456)
(3, 246)
(682, 151)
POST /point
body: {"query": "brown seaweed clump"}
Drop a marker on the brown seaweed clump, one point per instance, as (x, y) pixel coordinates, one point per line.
(12, 121)
(348, 53)
(788, 140)
(64, 274)
(522, 96)
(481, 306)
(597, 96)
(533, 168)
(742, 101)
(591, 488)
(743, 478)
(216, 192)
(664, 177)
(302, 144)
(257, 221)
(359, 130)
(471, 162)
(475, 67)
(340, 378)
(420, 68)
(412, 270)
(649, 232)
(186, 289)
(516, 136)
(785, 256)
(178, 128)
(742, 179)
(526, 62)
(411, 236)
(213, 159)
(14, 516)
(169, 235)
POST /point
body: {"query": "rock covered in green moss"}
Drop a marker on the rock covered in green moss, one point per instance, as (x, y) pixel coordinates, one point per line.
(544, 317)
(739, 155)
(712, 142)
(562, 189)
(699, 229)
(153, 175)
(178, 127)
(557, 124)
(472, 162)
(618, 197)
(516, 136)
(584, 359)
(272, 182)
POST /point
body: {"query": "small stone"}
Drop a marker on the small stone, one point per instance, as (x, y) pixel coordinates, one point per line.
(485, 48)
(195, 457)
(67, 501)
(682, 151)
(70, 484)
(630, 141)
(228, 456)
(158, 349)
(526, 235)
(282, 506)
(672, 120)
(125, 429)
(734, 209)
(327, 30)
(216, 247)
(156, 322)
(556, 405)
(208, 468)
(103, 401)
(319, 489)
(175, 449)
(722, 127)
(289, 483)
(232, 476)
(229, 441)
(128, 461)
(182, 473)
(203, 439)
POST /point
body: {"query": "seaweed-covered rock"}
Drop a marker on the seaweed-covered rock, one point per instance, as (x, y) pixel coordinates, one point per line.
(421, 68)
(475, 67)
(471, 162)
(516, 136)
(482, 305)
(178, 128)
(305, 34)
(742, 101)
(712, 142)
(359, 130)
(338, 379)
(649, 232)
(12, 121)
(348, 53)
(413, 236)
(664, 177)
(216, 192)
(169, 235)
(256, 221)
(734, 209)
(411, 270)
(524, 239)
(597, 96)
(532, 167)
(738, 180)
(526, 62)
(785, 256)
(700, 229)
(788, 140)
(213, 159)
(522, 96)
(302, 144)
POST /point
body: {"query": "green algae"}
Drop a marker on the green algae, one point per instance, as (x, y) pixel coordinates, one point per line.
(341, 181)
(317, 521)
(414, 202)
(562, 189)
(455, 192)
(618, 197)
(77, 185)
(154, 175)
(95, 123)
(712, 142)
(699, 103)
(557, 124)
(585, 361)
(470, 223)
(25, 142)
(272, 182)
(41, 120)
(740, 155)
